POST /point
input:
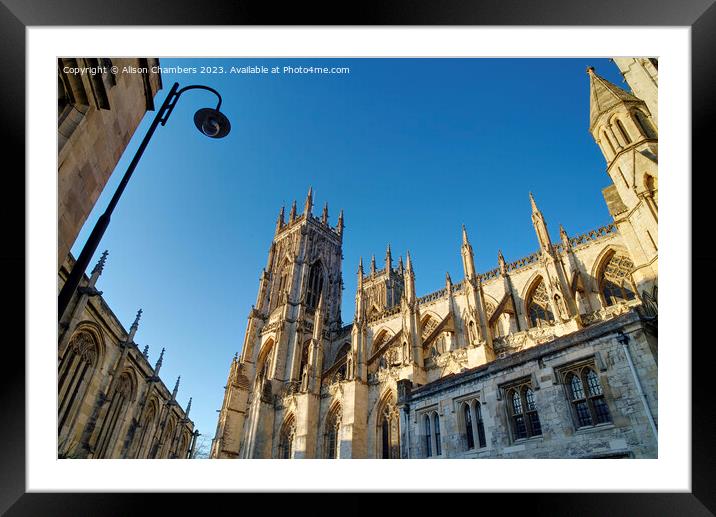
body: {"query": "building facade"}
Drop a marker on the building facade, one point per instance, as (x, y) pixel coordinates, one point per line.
(553, 355)
(111, 400)
(99, 109)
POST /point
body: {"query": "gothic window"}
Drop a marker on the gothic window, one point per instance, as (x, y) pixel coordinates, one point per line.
(431, 429)
(331, 440)
(623, 132)
(147, 429)
(388, 446)
(436, 427)
(586, 396)
(523, 411)
(646, 128)
(538, 307)
(113, 418)
(429, 325)
(467, 414)
(428, 436)
(167, 439)
(315, 285)
(285, 445)
(473, 426)
(615, 282)
(342, 356)
(74, 374)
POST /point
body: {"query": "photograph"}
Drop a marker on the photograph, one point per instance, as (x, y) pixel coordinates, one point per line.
(357, 258)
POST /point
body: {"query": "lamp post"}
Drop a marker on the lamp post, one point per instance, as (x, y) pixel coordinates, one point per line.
(210, 121)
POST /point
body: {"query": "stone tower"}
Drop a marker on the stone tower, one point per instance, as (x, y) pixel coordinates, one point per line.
(625, 129)
(297, 308)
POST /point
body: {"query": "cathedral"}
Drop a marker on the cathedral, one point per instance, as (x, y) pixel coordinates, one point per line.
(553, 355)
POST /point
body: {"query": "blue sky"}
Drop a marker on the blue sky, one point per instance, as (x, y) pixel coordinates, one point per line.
(411, 149)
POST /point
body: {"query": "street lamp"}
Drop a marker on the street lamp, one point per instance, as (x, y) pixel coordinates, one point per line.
(209, 121)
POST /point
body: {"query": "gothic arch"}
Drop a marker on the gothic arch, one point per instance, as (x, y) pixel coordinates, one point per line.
(623, 129)
(286, 437)
(429, 321)
(316, 283)
(537, 304)
(387, 426)
(96, 331)
(604, 255)
(120, 399)
(81, 359)
(613, 277)
(381, 337)
(264, 359)
(331, 431)
(148, 423)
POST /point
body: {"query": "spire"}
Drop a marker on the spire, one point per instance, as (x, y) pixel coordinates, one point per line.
(468, 257)
(410, 284)
(401, 268)
(188, 408)
(501, 262)
(540, 226)
(292, 213)
(535, 210)
(324, 217)
(309, 202)
(134, 327)
(448, 280)
(176, 388)
(158, 366)
(388, 259)
(565, 238)
(279, 222)
(339, 226)
(408, 263)
(145, 352)
(603, 96)
(99, 267)
(360, 273)
(372, 264)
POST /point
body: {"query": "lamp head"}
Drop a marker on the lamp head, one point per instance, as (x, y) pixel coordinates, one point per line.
(212, 123)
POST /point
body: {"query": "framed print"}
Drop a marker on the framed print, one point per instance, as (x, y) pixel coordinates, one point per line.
(464, 134)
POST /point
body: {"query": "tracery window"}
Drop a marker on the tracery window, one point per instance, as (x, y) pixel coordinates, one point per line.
(147, 426)
(589, 408)
(74, 373)
(615, 282)
(523, 411)
(538, 307)
(285, 445)
(429, 325)
(388, 431)
(473, 426)
(331, 441)
(113, 418)
(315, 285)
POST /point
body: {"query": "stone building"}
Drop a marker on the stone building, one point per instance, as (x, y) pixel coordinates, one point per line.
(98, 112)
(553, 355)
(111, 401)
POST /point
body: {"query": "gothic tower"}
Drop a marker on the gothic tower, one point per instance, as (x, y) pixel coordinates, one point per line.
(624, 127)
(297, 309)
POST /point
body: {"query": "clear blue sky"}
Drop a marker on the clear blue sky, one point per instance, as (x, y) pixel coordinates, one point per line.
(410, 148)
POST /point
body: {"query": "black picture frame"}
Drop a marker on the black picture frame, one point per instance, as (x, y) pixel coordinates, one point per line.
(17, 15)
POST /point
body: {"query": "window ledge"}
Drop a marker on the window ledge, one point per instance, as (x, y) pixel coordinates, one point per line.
(595, 428)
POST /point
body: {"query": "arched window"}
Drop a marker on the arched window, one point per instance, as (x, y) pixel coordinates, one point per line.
(479, 424)
(147, 426)
(113, 418)
(428, 436)
(167, 439)
(428, 325)
(644, 124)
(285, 444)
(538, 307)
(615, 279)
(342, 357)
(263, 363)
(623, 132)
(436, 427)
(315, 285)
(280, 285)
(333, 425)
(388, 446)
(523, 412)
(587, 398)
(468, 425)
(605, 138)
(75, 371)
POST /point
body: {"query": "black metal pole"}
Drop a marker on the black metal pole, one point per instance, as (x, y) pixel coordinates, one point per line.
(70, 286)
